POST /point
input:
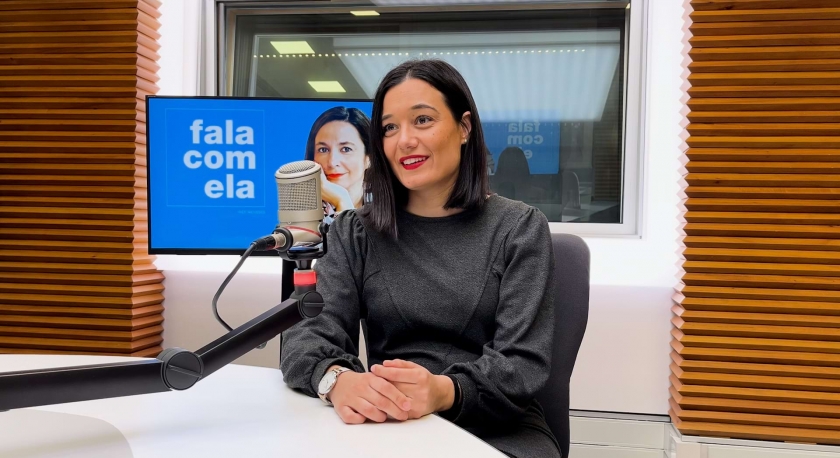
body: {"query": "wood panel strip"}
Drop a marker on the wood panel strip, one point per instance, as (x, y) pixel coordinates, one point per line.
(762, 281)
(779, 65)
(779, 370)
(87, 290)
(816, 116)
(729, 104)
(756, 306)
(711, 166)
(751, 355)
(78, 268)
(775, 331)
(86, 279)
(803, 78)
(54, 201)
(760, 230)
(781, 421)
(695, 317)
(81, 323)
(754, 406)
(794, 157)
(80, 345)
(764, 40)
(765, 256)
(759, 394)
(759, 268)
(764, 129)
(86, 334)
(771, 383)
(36, 311)
(786, 15)
(766, 53)
(711, 5)
(758, 91)
(762, 179)
(37, 113)
(762, 205)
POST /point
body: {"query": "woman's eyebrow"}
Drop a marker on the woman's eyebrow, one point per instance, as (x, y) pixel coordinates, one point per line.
(348, 142)
(419, 106)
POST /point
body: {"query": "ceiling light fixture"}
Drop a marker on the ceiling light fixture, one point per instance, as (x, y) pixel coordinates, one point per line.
(326, 86)
(364, 13)
(292, 47)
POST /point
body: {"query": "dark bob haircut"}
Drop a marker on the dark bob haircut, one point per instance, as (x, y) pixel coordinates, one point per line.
(386, 192)
(354, 116)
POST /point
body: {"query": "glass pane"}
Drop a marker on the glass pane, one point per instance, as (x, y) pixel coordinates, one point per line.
(548, 85)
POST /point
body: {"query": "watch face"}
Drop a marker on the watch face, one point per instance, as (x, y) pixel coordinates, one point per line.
(326, 382)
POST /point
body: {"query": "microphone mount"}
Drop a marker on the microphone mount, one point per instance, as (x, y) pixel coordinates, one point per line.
(303, 254)
(173, 369)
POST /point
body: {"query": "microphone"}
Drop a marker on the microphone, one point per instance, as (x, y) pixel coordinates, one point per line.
(299, 210)
(299, 200)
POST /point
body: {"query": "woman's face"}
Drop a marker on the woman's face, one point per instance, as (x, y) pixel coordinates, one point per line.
(340, 152)
(422, 141)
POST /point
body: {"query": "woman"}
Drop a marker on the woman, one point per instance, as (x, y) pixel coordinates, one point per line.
(454, 283)
(338, 142)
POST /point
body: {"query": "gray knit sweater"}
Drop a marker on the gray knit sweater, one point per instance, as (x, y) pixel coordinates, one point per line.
(467, 295)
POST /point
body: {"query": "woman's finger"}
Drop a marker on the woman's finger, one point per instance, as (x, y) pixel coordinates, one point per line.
(349, 416)
(368, 410)
(400, 363)
(387, 389)
(396, 374)
(384, 404)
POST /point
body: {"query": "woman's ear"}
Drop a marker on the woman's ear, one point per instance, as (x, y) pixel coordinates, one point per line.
(466, 125)
(367, 162)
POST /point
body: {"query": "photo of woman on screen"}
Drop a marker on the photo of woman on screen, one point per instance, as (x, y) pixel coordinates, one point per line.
(338, 142)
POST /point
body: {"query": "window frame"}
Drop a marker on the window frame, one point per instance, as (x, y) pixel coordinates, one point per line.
(216, 61)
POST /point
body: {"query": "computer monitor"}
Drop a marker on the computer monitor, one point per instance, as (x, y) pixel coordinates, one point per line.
(211, 164)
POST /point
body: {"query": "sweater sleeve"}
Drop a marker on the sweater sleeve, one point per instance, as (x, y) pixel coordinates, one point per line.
(514, 366)
(310, 347)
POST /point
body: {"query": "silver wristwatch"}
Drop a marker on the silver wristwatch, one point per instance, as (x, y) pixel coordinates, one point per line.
(328, 382)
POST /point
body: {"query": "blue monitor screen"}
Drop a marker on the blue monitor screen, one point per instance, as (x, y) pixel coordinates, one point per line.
(211, 164)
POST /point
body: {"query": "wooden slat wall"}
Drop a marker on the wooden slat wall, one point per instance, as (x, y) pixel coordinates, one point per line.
(75, 275)
(756, 338)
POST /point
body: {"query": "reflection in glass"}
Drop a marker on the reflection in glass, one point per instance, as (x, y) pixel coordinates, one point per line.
(550, 100)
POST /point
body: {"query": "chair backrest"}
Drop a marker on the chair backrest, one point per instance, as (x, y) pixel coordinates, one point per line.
(571, 313)
(571, 190)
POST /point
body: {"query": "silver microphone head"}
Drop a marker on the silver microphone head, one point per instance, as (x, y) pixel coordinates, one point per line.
(299, 200)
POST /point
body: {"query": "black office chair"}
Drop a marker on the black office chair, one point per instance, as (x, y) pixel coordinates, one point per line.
(571, 313)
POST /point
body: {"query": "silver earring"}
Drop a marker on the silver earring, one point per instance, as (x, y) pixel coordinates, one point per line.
(463, 141)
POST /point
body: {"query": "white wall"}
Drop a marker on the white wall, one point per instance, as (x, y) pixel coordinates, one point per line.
(623, 362)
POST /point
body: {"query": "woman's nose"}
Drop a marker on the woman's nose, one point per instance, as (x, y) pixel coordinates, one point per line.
(407, 140)
(333, 159)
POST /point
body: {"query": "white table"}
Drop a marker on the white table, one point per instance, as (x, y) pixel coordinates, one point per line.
(237, 411)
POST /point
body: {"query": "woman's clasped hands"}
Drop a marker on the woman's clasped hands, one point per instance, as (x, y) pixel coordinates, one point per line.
(396, 389)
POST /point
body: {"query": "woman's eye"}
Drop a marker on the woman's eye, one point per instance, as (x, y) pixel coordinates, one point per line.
(323, 150)
(423, 120)
(346, 149)
(389, 128)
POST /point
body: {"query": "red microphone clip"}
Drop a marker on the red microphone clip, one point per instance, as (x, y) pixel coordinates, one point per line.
(305, 278)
